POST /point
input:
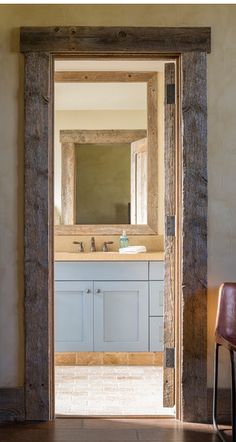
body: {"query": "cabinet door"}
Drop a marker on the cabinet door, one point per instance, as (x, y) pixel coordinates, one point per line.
(121, 316)
(156, 333)
(73, 316)
(156, 289)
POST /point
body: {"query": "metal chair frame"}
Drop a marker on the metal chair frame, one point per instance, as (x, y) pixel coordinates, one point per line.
(215, 394)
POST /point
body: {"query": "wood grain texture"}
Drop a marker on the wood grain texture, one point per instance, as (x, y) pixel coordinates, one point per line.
(38, 235)
(194, 237)
(101, 136)
(152, 135)
(113, 40)
(138, 182)
(101, 76)
(68, 183)
(103, 229)
(12, 407)
(137, 428)
(170, 210)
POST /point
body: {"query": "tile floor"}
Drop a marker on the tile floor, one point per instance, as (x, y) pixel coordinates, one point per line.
(109, 391)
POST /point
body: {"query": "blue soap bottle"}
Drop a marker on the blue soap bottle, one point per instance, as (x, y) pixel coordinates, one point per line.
(124, 241)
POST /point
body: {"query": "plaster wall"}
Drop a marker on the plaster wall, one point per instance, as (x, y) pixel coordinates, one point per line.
(221, 149)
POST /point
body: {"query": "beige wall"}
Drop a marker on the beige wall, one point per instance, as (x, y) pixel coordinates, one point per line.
(221, 146)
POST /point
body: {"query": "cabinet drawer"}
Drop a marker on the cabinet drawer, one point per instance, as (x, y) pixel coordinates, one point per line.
(99, 271)
(156, 292)
(156, 270)
(156, 333)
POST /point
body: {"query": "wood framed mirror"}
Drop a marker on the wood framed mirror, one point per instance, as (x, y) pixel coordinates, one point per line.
(142, 204)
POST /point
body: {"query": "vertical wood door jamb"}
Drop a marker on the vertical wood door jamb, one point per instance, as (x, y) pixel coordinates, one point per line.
(38, 245)
(194, 237)
(170, 212)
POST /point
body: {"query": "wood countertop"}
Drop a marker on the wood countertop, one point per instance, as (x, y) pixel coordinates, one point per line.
(108, 256)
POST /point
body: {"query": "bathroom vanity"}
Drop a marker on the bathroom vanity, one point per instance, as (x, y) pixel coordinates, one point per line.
(109, 302)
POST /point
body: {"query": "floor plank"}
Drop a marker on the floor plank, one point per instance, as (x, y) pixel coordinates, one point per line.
(123, 430)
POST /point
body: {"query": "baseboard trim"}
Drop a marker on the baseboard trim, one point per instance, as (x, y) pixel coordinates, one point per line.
(12, 404)
(224, 405)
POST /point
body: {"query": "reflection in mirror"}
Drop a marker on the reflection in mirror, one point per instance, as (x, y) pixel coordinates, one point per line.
(104, 177)
(102, 183)
(105, 152)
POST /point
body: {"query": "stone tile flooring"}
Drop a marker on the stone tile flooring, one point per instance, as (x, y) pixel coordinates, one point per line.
(109, 391)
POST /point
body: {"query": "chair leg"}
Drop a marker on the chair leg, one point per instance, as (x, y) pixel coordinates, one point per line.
(215, 391)
(233, 416)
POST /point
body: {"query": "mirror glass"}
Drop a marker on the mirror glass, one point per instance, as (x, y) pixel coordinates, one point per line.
(101, 153)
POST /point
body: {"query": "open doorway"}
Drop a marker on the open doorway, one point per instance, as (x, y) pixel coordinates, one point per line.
(189, 47)
(114, 134)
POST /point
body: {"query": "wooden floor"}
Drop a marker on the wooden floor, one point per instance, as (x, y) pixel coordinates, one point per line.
(99, 430)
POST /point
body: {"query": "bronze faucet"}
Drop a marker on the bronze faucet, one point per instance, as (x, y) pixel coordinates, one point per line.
(93, 246)
(81, 247)
(105, 248)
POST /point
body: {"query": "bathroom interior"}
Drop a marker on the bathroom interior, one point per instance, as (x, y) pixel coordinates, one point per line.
(109, 237)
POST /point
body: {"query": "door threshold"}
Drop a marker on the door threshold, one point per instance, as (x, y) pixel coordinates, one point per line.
(139, 416)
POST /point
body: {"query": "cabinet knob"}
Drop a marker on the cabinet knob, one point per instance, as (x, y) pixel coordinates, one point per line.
(98, 291)
(87, 291)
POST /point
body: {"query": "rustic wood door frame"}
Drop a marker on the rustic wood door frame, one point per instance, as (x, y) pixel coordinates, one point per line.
(189, 46)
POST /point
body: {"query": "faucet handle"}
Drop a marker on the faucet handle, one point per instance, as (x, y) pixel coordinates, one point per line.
(81, 247)
(105, 248)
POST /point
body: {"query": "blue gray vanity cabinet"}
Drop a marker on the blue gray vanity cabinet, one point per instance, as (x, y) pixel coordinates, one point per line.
(156, 333)
(121, 316)
(74, 316)
(121, 312)
(156, 293)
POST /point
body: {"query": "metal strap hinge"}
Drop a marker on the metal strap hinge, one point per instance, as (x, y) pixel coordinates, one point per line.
(170, 225)
(170, 357)
(170, 93)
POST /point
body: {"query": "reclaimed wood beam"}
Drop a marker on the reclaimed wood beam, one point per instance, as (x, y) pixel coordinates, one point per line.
(114, 40)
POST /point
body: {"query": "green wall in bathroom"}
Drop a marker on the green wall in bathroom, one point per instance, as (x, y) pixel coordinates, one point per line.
(102, 183)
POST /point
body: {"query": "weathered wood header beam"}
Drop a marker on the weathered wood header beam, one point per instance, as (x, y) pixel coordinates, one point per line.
(102, 76)
(102, 40)
(101, 136)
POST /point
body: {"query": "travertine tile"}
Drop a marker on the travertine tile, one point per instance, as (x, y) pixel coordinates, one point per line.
(158, 359)
(89, 358)
(109, 390)
(115, 358)
(140, 358)
(109, 358)
(65, 358)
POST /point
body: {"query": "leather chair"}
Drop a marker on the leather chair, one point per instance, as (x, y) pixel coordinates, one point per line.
(225, 336)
